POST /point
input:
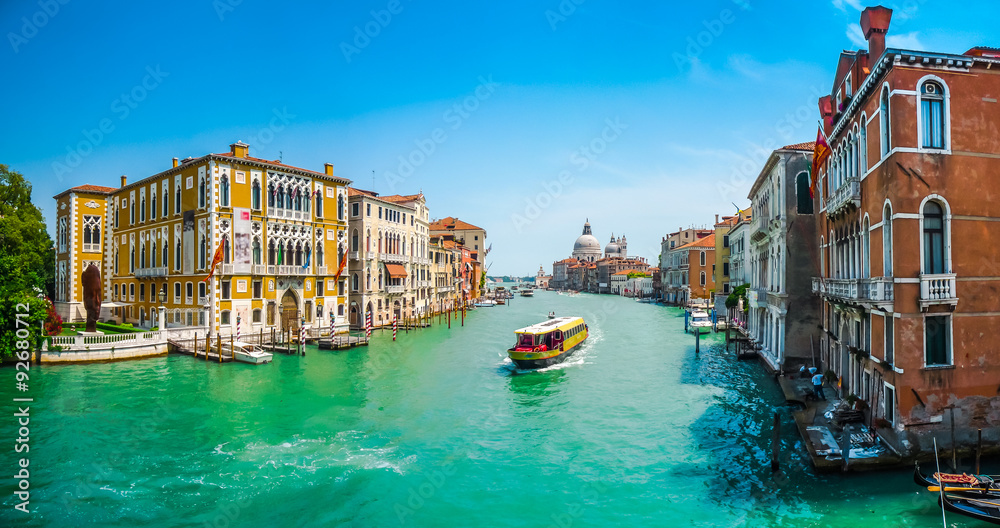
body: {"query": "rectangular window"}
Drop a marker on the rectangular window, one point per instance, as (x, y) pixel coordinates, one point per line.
(368, 207)
(937, 340)
(890, 338)
(725, 241)
(225, 289)
(319, 288)
(258, 289)
(355, 210)
(225, 317)
(380, 213)
(889, 411)
(177, 293)
(725, 269)
(190, 291)
(256, 315)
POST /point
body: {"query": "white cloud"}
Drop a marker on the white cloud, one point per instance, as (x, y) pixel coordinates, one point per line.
(857, 36)
(841, 4)
(907, 41)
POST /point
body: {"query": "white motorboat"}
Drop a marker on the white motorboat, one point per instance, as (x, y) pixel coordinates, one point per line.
(248, 353)
(552, 315)
(700, 322)
(486, 303)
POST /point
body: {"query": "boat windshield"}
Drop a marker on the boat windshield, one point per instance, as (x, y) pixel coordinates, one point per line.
(526, 340)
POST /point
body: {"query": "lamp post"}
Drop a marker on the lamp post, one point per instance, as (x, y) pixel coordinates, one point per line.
(162, 319)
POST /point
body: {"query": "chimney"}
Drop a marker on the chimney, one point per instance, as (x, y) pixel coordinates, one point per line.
(124, 180)
(175, 163)
(239, 149)
(328, 168)
(826, 110)
(717, 219)
(875, 24)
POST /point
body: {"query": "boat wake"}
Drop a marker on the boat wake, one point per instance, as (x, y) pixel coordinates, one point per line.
(345, 450)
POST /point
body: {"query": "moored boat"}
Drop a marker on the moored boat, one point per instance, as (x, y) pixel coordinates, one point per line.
(700, 322)
(548, 342)
(248, 353)
(964, 485)
(987, 510)
(485, 303)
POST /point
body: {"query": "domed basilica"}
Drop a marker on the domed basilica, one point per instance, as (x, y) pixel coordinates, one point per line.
(588, 248)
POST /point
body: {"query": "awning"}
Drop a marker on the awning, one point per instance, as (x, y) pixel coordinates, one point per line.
(396, 271)
(469, 265)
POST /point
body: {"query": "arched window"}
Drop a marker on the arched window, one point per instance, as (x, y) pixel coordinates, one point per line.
(932, 115)
(298, 254)
(224, 190)
(934, 239)
(354, 240)
(319, 204)
(354, 282)
(177, 199)
(803, 198)
(887, 241)
(702, 258)
(319, 254)
(270, 194)
(116, 261)
(866, 269)
(166, 256)
(225, 249)
(152, 258)
(142, 210)
(703, 276)
(202, 252)
(340, 207)
(201, 192)
(885, 122)
(255, 195)
(131, 213)
(152, 207)
(142, 257)
(271, 256)
(166, 200)
(177, 256)
(256, 251)
(280, 198)
(863, 147)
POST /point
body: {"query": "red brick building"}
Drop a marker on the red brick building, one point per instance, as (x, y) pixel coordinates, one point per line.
(908, 234)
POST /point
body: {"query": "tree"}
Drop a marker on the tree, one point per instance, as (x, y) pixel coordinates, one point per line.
(734, 298)
(27, 267)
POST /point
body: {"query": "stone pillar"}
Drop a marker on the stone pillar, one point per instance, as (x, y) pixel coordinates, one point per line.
(162, 319)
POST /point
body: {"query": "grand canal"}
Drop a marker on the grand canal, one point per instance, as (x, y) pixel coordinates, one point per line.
(437, 429)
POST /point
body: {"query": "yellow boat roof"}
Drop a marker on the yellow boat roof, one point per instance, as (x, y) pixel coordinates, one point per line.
(549, 325)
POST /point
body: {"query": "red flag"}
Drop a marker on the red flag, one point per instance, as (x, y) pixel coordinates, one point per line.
(820, 152)
(215, 262)
(343, 264)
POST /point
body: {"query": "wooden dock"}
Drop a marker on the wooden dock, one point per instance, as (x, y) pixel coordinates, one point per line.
(338, 342)
(197, 350)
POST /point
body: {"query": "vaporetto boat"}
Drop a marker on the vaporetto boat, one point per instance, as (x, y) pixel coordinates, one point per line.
(548, 342)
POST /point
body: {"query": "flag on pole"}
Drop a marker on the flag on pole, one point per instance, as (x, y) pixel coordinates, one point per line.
(215, 262)
(820, 152)
(343, 264)
(306, 265)
(281, 253)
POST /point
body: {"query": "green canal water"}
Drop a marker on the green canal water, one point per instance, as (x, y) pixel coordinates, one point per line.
(438, 429)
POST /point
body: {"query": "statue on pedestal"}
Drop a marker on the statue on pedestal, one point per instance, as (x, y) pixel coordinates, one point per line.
(92, 296)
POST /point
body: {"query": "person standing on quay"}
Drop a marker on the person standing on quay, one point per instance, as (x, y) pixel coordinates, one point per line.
(817, 380)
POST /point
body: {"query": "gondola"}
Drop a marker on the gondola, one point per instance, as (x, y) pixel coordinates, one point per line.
(980, 509)
(984, 487)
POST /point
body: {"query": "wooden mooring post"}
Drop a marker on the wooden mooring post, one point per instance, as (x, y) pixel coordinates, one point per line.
(449, 318)
(775, 442)
(208, 344)
(979, 450)
(697, 340)
(218, 347)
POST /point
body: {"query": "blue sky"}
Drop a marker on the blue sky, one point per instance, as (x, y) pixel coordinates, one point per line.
(525, 118)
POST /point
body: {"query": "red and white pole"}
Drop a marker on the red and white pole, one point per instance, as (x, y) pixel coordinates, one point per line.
(394, 327)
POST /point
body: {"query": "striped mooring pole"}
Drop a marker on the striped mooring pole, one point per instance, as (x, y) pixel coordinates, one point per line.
(237, 327)
(394, 327)
(368, 326)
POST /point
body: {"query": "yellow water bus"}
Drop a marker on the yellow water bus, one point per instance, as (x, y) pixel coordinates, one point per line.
(548, 342)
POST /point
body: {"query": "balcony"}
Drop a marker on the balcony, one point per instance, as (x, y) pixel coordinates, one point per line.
(291, 270)
(847, 196)
(394, 289)
(320, 270)
(877, 290)
(160, 271)
(354, 255)
(392, 257)
(259, 269)
(423, 284)
(937, 289)
(226, 269)
(203, 300)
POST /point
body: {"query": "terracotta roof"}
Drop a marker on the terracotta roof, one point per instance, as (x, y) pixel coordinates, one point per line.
(396, 271)
(707, 242)
(351, 191)
(395, 198)
(451, 223)
(810, 146)
(95, 189)
(272, 162)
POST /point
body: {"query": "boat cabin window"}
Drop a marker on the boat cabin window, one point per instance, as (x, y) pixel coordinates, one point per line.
(526, 340)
